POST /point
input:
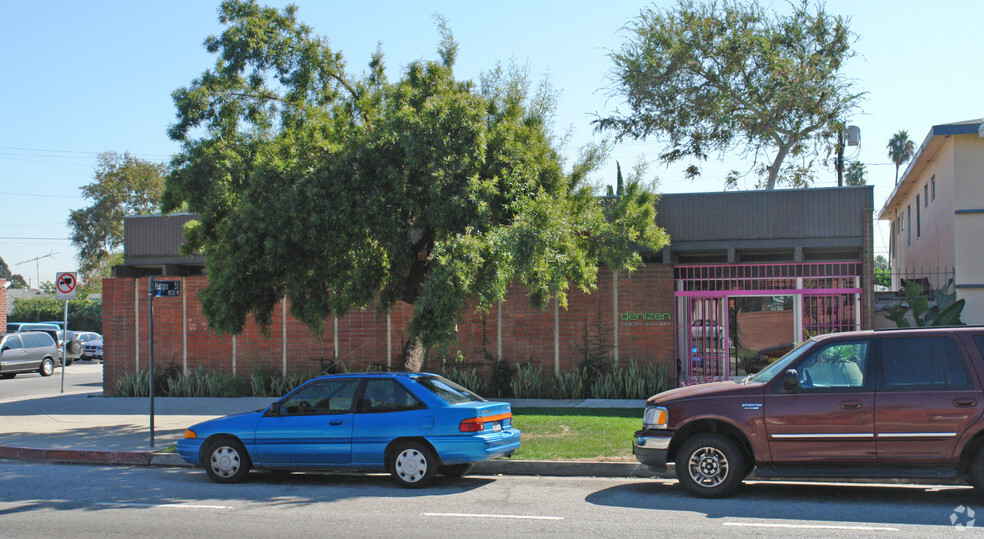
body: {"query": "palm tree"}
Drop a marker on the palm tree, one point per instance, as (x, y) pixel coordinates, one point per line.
(900, 150)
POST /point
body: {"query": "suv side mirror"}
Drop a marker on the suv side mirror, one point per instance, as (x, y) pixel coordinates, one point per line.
(790, 379)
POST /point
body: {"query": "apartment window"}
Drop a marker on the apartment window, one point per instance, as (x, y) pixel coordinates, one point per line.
(908, 216)
(918, 218)
(901, 223)
(926, 195)
(933, 183)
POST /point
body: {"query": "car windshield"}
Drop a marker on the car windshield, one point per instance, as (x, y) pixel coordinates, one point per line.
(778, 365)
(448, 390)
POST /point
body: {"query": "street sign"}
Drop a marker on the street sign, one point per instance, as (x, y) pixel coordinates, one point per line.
(65, 283)
(167, 289)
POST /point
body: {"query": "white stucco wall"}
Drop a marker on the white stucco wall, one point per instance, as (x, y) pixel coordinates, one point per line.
(928, 242)
(969, 227)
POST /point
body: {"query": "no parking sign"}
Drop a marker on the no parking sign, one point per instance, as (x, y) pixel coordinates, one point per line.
(65, 284)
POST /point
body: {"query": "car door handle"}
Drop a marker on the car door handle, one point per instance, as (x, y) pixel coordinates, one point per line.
(964, 403)
(335, 422)
(851, 405)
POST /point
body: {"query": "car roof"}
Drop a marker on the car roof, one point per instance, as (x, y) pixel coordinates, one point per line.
(378, 374)
(913, 330)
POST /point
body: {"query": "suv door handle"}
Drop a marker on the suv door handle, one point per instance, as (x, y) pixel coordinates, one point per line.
(335, 422)
(851, 405)
(964, 403)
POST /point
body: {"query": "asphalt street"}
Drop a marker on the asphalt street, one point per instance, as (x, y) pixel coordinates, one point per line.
(53, 500)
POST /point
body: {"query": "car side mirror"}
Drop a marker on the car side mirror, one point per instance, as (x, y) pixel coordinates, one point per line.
(275, 408)
(790, 379)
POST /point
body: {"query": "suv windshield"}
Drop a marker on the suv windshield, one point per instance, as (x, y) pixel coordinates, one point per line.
(778, 365)
(448, 390)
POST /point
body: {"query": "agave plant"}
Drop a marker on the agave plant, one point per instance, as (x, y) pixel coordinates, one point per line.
(944, 312)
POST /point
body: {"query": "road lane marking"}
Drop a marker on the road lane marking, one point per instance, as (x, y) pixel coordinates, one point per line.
(479, 515)
(166, 505)
(811, 527)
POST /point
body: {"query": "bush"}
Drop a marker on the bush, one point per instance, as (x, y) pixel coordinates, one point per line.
(267, 382)
(205, 383)
(527, 382)
(468, 378)
(133, 384)
(83, 314)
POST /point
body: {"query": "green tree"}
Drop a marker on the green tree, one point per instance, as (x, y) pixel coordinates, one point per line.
(900, 150)
(15, 280)
(856, 174)
(714, 77)
(84, 313)
(883, 275)
(124, 185)
(341, 192)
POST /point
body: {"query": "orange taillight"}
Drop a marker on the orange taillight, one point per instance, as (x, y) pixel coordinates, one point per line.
(477, 424)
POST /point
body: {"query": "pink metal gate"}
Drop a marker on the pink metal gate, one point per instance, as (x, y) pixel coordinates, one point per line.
(734, 319)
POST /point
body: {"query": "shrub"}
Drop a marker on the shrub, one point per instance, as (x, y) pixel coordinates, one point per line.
(468, 378)
(133, 384)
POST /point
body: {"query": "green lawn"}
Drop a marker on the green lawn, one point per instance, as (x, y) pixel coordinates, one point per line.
(576, 433)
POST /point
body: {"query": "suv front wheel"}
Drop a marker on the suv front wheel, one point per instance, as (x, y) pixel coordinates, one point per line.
(710, 465)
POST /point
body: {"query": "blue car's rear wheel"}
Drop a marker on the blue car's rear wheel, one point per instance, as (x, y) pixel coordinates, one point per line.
(412, 465)
(225, 461)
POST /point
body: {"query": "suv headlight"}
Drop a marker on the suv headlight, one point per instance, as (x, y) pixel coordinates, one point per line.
(655, 417)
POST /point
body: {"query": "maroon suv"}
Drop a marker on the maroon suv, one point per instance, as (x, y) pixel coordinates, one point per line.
(901, 403)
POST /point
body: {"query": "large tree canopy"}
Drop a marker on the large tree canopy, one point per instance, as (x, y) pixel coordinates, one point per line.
(344, 192)
(713, 77)
(124, 185)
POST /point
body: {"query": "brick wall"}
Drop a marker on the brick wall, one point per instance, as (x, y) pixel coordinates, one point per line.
(182, 338)
(868, 270)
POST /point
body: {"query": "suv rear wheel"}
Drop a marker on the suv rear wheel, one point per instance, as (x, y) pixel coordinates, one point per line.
(710, 465)
(977, 472)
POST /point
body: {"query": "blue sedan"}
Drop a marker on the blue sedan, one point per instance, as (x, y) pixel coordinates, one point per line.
(412, 425)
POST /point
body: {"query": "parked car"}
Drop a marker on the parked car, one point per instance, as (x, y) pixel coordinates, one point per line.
(412, 425)
(31, 351)
(902, 403)
(92, 345)
(702, 328)
(73, 347)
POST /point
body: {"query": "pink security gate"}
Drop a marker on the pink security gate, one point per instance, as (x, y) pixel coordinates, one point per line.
(733, 320)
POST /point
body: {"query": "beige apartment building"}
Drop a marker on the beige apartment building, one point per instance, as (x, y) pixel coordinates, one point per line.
(937, 215)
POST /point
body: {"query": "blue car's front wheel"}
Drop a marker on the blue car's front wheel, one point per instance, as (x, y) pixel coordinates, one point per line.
(225, 460)
(412, 465)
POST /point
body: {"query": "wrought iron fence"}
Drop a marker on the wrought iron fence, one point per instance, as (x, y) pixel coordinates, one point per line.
(929, 278)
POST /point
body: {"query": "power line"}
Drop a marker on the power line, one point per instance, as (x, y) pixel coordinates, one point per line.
(39, 195)
(26, 238)
(83, 152)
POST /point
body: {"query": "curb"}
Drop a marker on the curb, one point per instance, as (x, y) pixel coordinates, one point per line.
(489, 467)
(130, 458)
(565, 468)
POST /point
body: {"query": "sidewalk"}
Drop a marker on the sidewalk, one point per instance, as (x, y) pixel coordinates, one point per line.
(92, 429)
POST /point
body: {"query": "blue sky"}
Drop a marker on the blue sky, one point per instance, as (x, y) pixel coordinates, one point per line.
(80, 78)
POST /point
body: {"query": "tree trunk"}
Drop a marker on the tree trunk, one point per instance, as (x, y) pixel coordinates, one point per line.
(412, 357)
(777, 164)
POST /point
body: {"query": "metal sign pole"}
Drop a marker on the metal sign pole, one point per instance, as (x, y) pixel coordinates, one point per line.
(64, 348)
(150, 315)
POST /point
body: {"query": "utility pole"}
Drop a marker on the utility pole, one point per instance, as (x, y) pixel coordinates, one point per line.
(37, 266)
(840, 157)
